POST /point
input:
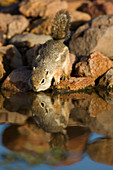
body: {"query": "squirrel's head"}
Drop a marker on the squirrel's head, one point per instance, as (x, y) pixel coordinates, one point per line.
(40, 79)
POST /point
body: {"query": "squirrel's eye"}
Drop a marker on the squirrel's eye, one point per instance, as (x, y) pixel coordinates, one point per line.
(42, 104)
(42, 81)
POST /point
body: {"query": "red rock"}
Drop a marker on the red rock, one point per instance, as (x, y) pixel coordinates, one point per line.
(42, 8)
(17, 80)
(93, 66)
(76, 83)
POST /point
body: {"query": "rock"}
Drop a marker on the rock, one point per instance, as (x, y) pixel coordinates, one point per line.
(77, 17)
(2, 39)
(75, 84)
(101, 151)
(30, 55)
(17, 80)
(42, 8)
(30, 38)
(12, 9)
(7, 2)
(12, 24)
(107, 79)
(2, 69)
(93, 66)
(96, 35)
(41, 26)
(98, 7)
(12, 59)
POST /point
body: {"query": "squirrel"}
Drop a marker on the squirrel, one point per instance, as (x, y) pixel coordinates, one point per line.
(53, 61)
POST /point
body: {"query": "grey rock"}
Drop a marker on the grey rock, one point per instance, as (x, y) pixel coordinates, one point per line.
(96, 35)
(31, 38)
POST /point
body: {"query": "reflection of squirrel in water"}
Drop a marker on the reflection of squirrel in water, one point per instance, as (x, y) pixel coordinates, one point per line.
(52, 60)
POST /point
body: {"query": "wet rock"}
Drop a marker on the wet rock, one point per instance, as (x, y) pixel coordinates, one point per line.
(42, 8)
(17, 80)
(93, 66)
(75, 83)
(96, 35)
(11, 58)
(12, 24)
(98, 7)
(30, 38)
(101, 151)
(107, 79)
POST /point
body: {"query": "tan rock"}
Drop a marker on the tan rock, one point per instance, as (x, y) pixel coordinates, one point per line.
(17, 80)
(76, 83)
(42, 8)
(93, 66)
(12, 24)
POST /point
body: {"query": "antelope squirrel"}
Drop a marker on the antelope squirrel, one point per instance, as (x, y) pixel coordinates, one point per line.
(53, 61)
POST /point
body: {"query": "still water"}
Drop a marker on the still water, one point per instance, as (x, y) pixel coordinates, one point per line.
(56, 131)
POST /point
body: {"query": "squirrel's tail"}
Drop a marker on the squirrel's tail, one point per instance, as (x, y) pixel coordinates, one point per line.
(61, 25)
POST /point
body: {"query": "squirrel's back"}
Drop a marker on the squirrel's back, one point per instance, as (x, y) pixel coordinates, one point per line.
(61, 25)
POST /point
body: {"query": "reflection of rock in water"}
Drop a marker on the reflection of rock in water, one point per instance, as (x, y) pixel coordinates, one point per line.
(32, 144)
(86, 107)
(51, 113)
(20, 102)
(101, 151)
